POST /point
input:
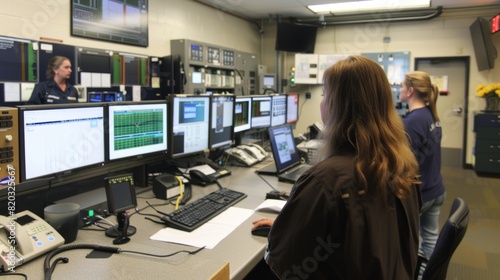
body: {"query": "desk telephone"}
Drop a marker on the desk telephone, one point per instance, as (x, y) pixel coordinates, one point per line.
(248, 154)
(24, 237)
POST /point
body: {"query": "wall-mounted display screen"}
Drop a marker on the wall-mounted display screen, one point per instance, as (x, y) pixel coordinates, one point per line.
(116, 21)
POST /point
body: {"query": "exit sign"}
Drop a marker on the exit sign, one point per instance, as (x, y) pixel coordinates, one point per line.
(495, 24)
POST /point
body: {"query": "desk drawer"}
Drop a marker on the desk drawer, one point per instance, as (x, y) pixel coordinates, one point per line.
(487, 163)
(490, 120)
(485, 132)
(487, 146)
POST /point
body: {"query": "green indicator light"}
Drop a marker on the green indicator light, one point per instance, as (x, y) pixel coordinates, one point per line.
(91, 213)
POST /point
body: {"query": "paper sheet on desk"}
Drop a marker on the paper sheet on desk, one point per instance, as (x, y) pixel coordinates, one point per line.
(271, 205)
(209, 234)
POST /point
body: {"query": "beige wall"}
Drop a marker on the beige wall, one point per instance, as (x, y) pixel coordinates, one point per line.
(168, 19)
(446, 35)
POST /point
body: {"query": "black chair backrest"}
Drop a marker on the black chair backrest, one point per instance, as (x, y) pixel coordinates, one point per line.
(450, 236)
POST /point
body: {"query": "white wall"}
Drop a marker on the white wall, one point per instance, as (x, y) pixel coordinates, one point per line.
(168, 19)
(446, 35)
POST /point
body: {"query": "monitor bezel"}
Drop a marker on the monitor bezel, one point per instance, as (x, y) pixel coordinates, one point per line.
(64, 172)
(170, 101)
(287, 108)
(249, 114)
(272, 108)
(270, 112)
(135, 103)
(225, 143)
(112, 199)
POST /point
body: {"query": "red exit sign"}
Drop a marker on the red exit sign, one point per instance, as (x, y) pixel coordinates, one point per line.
(495, 24)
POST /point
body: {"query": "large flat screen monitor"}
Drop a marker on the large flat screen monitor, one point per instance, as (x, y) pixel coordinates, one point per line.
(278, 110)
(190, 124)
(136, 129)
(292, 108)
(242, 114)
(261, 111)
(124, 22)
(222, 125)
(57, 139)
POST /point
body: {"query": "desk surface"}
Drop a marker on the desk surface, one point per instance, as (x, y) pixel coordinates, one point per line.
(240, 249)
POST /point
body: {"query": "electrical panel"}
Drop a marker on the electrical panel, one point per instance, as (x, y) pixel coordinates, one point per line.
(9, 147)
(246, 72)
(208, 68)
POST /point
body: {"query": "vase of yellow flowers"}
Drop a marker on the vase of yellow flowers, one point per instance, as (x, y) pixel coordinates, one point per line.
(491, 93)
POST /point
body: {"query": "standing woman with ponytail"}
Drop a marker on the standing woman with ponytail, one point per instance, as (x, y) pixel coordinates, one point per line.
(424, 130)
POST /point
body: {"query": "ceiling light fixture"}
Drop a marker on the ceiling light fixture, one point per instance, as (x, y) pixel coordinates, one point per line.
(371, 5)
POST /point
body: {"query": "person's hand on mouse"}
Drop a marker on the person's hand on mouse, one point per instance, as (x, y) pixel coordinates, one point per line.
(262, 222)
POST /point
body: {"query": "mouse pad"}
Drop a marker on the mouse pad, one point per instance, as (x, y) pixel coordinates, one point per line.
(98, 255)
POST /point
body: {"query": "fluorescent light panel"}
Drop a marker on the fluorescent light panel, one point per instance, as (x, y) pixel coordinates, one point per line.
(372, 5)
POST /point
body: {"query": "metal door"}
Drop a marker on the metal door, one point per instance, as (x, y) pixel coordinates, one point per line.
(451, 107)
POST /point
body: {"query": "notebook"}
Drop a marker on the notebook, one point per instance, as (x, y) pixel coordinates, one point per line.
(287, 159)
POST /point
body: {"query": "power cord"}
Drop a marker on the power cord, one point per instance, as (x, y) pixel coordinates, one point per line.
(49, 268)
(10, 274)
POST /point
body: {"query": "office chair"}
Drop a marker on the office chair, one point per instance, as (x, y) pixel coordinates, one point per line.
(450, 236)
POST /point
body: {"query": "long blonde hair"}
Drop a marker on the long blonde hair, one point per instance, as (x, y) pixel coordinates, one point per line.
(425, 90)
(363, 119)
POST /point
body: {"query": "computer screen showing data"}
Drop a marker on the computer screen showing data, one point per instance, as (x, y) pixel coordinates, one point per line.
(58, 139)
(222, 125)
(137, 128)
(278, 110)
(292, 108)
(261, 111)
(190, 129)
(242, 114)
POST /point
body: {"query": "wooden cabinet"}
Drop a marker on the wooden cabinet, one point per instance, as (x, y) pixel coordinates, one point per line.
(487, 147)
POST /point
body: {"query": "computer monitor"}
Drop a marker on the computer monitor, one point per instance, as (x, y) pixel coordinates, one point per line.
(120, 195)
(222, 125)
(136, 128)
(242, 113)
(261, 111)
(108, 96)
(58, 139)
(292, 108)
(278, 110)
(190, 124)
(94, 96)
(267, 83)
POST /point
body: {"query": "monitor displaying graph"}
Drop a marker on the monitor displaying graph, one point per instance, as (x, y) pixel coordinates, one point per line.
(136, 129)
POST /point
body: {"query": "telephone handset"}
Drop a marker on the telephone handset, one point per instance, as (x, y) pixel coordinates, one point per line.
(25, 236)
(252, 151)
(242, 156)
(258, 147)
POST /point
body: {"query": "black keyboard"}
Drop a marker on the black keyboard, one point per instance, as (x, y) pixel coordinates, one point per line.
(195, 214)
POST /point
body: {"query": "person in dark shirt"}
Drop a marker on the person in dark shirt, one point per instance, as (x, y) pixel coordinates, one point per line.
(355, 214)
(424, 130)
(56, 89)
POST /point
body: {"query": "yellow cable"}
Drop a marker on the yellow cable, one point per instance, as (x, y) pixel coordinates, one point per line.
(181, 192)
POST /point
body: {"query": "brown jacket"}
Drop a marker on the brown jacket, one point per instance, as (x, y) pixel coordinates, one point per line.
(330, 229)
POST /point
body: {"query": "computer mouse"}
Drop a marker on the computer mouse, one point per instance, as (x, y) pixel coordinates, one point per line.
(261, 231)
(200, 176)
